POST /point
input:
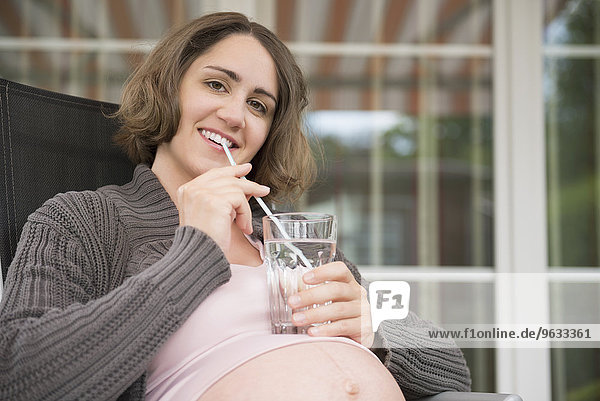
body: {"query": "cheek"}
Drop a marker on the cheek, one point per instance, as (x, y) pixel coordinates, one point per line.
(260, 135)
(255, 143)
(193, 108)
(263, 138)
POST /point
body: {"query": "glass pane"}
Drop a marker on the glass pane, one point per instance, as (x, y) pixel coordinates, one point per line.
(575, 372)
(572, 303)
(408, 158)
(572, 111)
(83, 73)
(88, 19)
(396, 21)
(574, 22)
(572, 118)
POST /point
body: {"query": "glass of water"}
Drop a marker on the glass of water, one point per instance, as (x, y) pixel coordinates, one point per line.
(294, 244)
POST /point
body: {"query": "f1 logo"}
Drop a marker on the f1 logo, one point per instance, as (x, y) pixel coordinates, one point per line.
(389, 300)
(381, 297)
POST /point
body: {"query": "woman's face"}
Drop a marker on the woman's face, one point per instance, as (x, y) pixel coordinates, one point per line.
(228, 92)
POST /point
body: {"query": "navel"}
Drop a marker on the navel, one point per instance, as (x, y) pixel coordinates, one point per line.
(351, 387)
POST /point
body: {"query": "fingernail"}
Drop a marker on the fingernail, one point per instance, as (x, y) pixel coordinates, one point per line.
(299, 317)
(309, 276)
(294, 300)
(266, 188)
(313, 331)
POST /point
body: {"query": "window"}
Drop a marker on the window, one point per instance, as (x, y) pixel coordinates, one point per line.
(572, 112)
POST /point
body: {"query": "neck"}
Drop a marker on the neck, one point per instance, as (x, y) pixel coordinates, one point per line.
(168, 179)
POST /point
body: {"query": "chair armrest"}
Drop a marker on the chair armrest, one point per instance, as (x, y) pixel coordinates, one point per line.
(460, 396)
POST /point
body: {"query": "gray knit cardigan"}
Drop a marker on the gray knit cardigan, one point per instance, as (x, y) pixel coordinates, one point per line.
(102, 278)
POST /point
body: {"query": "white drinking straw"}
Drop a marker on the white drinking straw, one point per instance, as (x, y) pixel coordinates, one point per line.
(258, 198)
(268, 212)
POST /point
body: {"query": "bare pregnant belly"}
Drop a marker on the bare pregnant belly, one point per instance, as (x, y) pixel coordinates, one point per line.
(312, 371)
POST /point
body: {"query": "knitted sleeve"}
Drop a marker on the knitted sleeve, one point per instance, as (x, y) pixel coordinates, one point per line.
(70, 328)
(420, 365)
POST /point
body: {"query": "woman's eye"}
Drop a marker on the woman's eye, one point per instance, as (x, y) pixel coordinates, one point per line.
(215, 85)
(258, 106)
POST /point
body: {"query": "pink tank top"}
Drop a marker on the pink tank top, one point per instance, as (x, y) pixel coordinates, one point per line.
(229, 328)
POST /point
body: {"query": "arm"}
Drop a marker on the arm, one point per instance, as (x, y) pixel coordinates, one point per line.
(69, 328)
(420, 365)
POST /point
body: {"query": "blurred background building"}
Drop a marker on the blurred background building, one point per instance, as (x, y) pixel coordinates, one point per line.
(462, 143)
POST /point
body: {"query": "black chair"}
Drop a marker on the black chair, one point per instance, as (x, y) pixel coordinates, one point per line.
(51, 143)
(54, 143)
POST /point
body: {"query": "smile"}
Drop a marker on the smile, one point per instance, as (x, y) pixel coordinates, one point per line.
(218, 139)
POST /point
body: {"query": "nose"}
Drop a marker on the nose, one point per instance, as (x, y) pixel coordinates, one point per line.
(232, 111)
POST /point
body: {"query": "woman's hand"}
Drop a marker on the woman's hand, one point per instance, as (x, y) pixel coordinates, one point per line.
(213, 200)
(349, 311)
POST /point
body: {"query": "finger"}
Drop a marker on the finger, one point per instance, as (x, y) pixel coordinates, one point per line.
(238, 194)
(252, 188)
(324, 313)
(334, 271)
(340, 328)
(354, 329)
(249, 188)
(239, 171)
(242, 212)
(331, 291)
(203, 188)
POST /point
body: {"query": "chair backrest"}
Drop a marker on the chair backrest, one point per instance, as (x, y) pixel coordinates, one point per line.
(51, 143)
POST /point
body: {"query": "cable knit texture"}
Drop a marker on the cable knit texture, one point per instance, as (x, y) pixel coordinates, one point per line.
(102, 278)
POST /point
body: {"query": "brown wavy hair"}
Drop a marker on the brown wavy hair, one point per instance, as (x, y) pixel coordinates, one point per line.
(150, 112)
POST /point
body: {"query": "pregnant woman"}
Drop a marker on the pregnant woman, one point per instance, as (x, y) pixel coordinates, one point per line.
(156, 289)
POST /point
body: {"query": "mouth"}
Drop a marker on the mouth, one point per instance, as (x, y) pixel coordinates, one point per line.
(218, 139)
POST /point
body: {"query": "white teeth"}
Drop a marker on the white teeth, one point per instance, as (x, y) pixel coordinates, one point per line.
(216, 138)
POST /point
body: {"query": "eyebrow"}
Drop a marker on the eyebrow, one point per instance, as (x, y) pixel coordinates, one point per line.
(233, 75)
